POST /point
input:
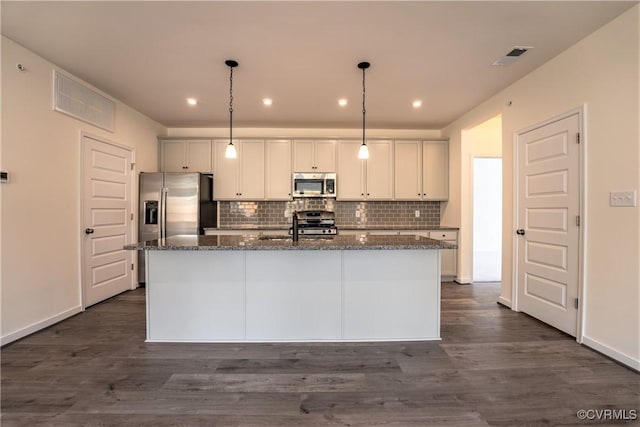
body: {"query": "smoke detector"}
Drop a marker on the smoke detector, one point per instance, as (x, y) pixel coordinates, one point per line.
(512, 56)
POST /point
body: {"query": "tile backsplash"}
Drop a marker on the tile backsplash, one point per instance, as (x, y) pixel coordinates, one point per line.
(370, 214)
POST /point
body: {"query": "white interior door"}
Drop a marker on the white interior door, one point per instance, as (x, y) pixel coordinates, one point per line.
(548, 236)
(106, 205)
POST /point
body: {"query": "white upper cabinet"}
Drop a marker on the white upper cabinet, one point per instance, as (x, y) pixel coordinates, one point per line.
(314, 155)
(278, 169)
(421, 170)
(241, 178)
(435, 170)
(370, 179)
(350, 171)
(379, 170)
(185, 155)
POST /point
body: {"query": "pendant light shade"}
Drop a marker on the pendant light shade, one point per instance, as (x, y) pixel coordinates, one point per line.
(230, 152)
(363, 153)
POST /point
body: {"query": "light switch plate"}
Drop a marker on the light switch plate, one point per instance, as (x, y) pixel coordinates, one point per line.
(623, 198)
(417, 214)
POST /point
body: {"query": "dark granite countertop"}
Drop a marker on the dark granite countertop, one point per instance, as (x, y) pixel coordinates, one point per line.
(345, 228)
(284, 242)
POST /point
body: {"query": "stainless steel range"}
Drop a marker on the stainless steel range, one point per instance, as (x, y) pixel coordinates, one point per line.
(316, 222)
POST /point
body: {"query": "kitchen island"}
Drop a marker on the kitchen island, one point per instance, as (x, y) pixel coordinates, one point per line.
(254, 288)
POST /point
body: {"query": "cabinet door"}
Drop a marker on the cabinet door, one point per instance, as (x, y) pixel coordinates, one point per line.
(350, 171)
(325, 155)
(447, 256)
(303, 156)
(226, 171)
(278, 169)
(172, 155)
(198, 154)
(435, 170)
(380, 170)
(448, 261)
(251, 155)
(408, 170)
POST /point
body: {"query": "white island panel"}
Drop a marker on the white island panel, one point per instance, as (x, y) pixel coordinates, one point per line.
(195, 295)
(393, 294)
(293, 295)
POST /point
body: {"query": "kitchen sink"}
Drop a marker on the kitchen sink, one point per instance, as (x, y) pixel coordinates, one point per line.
(274, 237)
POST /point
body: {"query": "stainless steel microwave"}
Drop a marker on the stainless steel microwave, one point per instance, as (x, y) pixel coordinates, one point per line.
(314, 184)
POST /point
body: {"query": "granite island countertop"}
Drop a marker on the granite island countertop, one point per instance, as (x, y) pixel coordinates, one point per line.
(363, 228)
(284, 242)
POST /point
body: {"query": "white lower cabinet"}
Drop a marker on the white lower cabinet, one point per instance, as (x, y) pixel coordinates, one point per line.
(283, 295)
(447, 256)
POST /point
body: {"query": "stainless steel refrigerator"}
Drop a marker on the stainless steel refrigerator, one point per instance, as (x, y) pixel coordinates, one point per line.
(174, 204)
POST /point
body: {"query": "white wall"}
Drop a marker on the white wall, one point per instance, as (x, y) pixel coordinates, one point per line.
(602, 72)
(41, 205)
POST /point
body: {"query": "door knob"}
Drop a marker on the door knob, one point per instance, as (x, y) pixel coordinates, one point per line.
(520, 232)
(88, 231)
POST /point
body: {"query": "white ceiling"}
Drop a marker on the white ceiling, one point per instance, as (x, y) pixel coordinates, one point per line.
(152, 55)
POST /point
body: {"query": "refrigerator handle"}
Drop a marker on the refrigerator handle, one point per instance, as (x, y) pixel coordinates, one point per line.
(163, 214)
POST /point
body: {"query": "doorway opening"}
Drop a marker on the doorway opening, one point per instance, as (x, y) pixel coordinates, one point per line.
(481, 141)
(487, 219)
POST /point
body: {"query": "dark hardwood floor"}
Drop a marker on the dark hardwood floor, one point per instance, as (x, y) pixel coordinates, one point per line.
(493, 367)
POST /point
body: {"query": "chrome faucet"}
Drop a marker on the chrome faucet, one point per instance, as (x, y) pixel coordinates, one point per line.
(294, 229)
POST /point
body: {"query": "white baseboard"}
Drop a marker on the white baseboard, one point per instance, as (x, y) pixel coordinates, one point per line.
(612, 353)
(35, 327)
(505, 302)
(463, 280)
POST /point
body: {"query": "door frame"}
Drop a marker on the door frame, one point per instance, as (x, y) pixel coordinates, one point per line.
(582, 117)
(132, 223)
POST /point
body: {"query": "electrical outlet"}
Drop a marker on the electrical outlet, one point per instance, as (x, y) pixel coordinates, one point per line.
(357, 213)
(417, 214)
(623, 198)
(286, 213)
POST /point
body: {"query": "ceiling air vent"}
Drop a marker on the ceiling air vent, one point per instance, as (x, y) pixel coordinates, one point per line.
(76, 100)
(514, 54)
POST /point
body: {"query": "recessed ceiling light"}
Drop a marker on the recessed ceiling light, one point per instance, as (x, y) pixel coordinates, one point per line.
(267, 101)
(192, 101)
(417, 103)
(342, 102)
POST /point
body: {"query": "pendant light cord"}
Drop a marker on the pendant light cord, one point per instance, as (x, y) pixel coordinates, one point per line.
(231, 105)
(364, 111)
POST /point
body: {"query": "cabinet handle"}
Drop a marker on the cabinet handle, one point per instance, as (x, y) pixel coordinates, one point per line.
(362, 194)
(368, 194)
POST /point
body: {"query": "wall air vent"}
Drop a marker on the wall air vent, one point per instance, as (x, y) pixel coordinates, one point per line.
(510, 57)
(76, 100)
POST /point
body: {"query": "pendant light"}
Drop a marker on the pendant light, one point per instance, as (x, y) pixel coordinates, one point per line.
(230, 152)
(363, 153)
